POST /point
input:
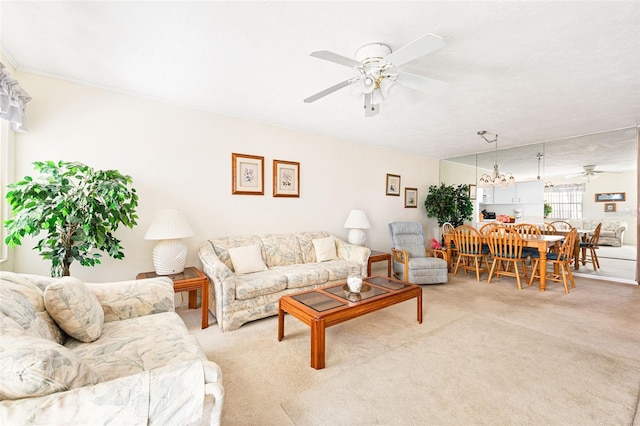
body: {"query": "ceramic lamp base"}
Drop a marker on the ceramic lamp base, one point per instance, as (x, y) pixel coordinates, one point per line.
(169, 256)
(356, 237)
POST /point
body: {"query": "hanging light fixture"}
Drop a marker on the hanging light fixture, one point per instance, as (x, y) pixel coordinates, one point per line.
(548, 186)
(496, 178)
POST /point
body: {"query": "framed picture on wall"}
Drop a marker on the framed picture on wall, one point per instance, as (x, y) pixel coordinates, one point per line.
(609, 207)
(286, 179)
(393, 185)
(410, 198)
(247, 174)
(472, 191)
(611, 196)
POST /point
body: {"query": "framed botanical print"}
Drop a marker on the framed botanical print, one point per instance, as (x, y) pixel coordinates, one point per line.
(411, 197)
(286, 179)
(472, 191)
(393, 185)
(247, 174)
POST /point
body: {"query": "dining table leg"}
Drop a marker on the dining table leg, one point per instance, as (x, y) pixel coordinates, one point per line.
(543, 268)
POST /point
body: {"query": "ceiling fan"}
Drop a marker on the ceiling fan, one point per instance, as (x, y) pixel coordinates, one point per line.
(589, 173)
(376, 66)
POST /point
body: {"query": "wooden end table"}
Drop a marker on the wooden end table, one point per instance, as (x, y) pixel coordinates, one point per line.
(191, 280)
(379, 256)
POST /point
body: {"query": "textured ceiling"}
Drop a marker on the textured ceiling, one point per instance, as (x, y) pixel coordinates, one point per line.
(530, 71)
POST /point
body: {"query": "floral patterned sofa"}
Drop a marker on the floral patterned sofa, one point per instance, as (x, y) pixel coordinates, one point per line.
(111, 353)
(611, 232)
(249, 274)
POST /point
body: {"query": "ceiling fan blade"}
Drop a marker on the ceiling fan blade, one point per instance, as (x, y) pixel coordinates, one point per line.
(420, 47)
(423, 84)
(338, 59)
(329, 90)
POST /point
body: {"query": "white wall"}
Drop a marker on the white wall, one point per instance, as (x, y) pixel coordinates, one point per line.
(181, 158)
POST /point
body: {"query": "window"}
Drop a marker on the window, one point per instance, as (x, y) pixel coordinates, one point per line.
(565, 201)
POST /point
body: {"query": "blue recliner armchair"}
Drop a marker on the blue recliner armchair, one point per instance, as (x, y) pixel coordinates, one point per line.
(412, 261)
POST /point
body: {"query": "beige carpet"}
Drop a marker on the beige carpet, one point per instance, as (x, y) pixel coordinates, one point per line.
(485, 354)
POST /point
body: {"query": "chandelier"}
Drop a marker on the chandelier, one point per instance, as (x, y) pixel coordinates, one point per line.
(496, 178)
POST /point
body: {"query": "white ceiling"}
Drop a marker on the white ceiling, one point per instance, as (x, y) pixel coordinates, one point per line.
(530, 71)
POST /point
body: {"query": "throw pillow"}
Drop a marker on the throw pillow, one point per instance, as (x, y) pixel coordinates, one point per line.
(247, 259)
(75, 309)
(33, 366)
(325, 249)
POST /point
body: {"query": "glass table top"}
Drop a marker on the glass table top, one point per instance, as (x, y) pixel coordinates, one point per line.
(321, 302)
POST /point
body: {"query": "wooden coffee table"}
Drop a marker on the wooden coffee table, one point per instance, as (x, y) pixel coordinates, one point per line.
(323, 307)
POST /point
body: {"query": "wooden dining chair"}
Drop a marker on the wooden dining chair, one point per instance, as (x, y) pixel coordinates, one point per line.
(549, 229)
(447, 229)
(562, 259)
(468, 243)
(505, 245)
(589, 248)
(525, 230)
(561, 225)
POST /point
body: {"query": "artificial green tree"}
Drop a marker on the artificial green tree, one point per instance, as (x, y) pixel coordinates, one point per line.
(449, 203)
(78, 208)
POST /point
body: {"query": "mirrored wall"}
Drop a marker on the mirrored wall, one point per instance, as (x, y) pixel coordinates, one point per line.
(604, 162)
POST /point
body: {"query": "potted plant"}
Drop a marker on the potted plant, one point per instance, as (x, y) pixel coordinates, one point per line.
(78, 208)
(449, 203)
(547, 209)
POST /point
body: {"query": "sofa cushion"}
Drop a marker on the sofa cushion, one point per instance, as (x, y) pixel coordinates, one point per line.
(33, 366)
(340, 269)
(139, 344)
(304, 275)
(325, 249)
(75, 308)
(259, 284)
(305, 239)
(247, 260)
(23, 302)
(222, 245)
(281, 250)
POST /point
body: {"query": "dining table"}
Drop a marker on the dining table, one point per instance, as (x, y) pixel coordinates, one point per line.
(541, 242)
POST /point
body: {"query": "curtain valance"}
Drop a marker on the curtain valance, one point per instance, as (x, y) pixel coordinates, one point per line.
(13, 101)
(567, 187)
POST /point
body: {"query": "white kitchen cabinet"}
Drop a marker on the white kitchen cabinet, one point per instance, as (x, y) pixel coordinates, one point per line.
(521, 193)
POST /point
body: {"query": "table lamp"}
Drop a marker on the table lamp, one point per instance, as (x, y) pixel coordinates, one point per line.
(357, 221)
(170, 253)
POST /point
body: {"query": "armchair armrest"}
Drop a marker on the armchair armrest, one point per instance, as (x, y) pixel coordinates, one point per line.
(135, 298)
(401, 256)
(442, 254)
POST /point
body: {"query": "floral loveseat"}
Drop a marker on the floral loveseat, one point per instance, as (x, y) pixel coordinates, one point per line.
(611, 232)
(249, 274)
(112, 353)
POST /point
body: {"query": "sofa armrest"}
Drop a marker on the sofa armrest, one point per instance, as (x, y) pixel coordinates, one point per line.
(135, 298)
(173, 394)
(223, 278)
(353, 253)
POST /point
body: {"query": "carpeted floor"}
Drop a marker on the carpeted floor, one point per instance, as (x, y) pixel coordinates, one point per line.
(485, 354)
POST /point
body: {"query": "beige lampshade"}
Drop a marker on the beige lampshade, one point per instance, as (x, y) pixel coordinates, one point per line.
(167, 225)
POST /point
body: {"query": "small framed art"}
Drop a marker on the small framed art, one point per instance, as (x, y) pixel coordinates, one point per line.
(393, 185)
(410, 198)
(247, 174)
(286, 179)
(472, 191)
(609, 207)
(611, 196)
